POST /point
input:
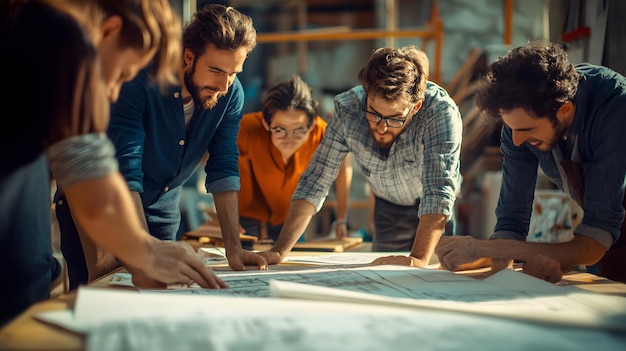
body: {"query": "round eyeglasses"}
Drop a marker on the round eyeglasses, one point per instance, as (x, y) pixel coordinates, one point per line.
(376, 117)
(281, 133)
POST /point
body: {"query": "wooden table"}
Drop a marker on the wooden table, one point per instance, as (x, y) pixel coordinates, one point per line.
(28, 333)
(211, 236)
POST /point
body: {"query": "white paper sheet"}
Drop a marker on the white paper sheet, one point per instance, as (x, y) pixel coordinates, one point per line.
(124, 320)
(343, 258)
(507, 294)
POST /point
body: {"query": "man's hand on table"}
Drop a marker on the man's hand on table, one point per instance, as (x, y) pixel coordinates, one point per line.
(544, 268)
(239, 258)
(463, 252)
(457, 253)
(272, 257)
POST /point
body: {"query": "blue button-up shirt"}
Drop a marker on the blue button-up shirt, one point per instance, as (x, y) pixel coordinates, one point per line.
(422, 163)
(157, 153)
(599, 125)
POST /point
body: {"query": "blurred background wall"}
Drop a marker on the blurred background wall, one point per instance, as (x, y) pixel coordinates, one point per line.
(473, 34)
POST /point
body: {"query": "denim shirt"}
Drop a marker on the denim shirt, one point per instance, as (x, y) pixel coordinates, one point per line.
(598, 131)
(421, 164)
(157, 153)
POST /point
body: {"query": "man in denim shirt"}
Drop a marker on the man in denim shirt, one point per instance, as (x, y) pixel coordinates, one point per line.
(162, 135)
(570, 121)
(405, 134)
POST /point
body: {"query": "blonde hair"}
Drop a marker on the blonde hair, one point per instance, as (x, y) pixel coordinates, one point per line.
(147, 25)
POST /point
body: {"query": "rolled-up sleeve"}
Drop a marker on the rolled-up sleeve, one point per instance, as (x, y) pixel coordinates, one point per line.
(517, 192)
(222, 168)
(442, 148)
(323, 168)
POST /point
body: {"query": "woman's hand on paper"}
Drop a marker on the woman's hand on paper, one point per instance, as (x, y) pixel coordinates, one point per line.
(174, 262)
(144, 282)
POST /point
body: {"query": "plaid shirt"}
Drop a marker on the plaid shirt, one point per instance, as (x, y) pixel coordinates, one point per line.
(421, 164)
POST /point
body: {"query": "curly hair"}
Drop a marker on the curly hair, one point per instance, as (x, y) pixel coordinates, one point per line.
(290, 94)
(396, 75)
(222, 26)
(536, 77)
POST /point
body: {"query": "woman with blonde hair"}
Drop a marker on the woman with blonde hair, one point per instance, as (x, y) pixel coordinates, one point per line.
(64, 62)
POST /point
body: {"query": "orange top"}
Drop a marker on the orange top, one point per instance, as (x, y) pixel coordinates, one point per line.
(267, 184)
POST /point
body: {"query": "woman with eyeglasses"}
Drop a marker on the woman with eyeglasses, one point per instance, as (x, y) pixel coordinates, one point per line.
(275, 146)
(405, 133)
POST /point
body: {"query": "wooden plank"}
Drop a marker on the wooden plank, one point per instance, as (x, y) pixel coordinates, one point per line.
(214, 233)
(331, 245)
(342, 33)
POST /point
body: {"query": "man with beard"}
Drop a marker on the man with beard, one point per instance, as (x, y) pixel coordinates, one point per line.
(405, 133)
(162, 135)
(570, 121)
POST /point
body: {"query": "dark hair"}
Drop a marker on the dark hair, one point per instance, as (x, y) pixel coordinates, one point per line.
(536, 77)
(291, 94)
(396, 75)
(222, 26)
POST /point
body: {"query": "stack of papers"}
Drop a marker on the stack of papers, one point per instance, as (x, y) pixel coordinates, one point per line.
(374, 307)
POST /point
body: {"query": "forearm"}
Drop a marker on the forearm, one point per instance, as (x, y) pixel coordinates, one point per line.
(580, 250)
(342, 188)
(139, 208)
(429, 231)
(298, 218)
(226, 205)
(104, 208)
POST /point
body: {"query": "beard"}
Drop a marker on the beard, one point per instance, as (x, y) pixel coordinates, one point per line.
(381, 143)
(560, 130)
(194, 89)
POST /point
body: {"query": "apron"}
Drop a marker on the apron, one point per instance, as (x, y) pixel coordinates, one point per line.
(613, 264)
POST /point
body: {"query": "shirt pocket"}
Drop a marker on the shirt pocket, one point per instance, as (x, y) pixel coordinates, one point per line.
(410, 170)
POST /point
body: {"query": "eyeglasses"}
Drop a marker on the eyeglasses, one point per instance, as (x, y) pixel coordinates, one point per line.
(376, 117)
(281, 133)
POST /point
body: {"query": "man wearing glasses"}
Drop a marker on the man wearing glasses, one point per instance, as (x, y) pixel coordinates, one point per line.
(275, 146)
(405, 133)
